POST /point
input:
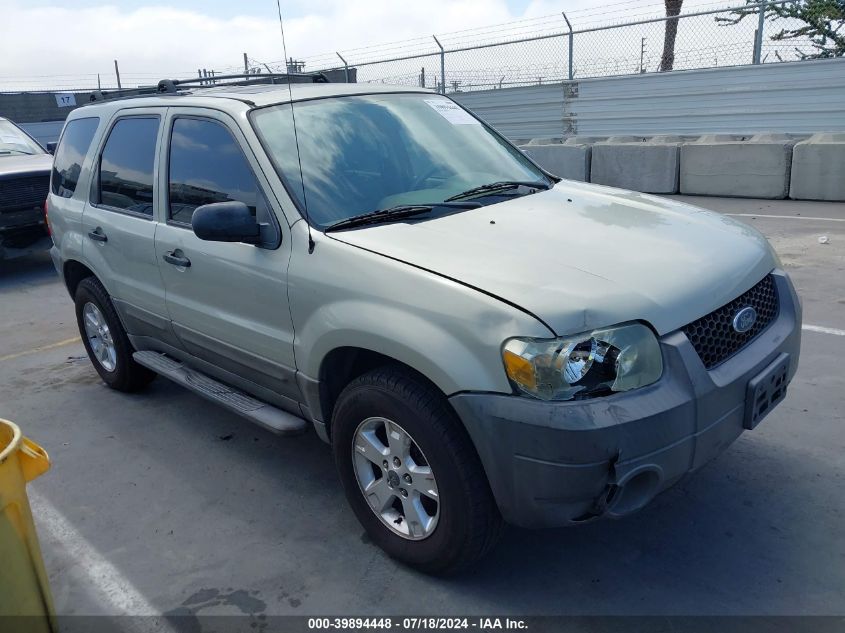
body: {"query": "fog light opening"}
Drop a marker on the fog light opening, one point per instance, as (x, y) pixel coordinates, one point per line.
(635, 491)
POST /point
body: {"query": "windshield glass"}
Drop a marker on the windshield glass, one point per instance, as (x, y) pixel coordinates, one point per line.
(13, 140)
(364, 153)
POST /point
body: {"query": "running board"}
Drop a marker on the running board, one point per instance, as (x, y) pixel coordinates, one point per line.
(237, 401)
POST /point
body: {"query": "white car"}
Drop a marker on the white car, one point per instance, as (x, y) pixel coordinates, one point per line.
(24, 180)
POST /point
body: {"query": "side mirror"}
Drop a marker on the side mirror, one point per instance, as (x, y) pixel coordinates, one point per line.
(51, 147)
(225, 222)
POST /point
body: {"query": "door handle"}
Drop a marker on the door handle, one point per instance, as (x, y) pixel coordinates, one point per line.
(177, 258)
(97, 235)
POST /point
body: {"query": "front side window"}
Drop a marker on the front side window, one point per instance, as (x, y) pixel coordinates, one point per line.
(126, 165)
(208, 166)
(364, 153)
(70, 154)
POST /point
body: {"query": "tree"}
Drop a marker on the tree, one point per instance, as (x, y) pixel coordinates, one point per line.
(822, 23)
(673, 9)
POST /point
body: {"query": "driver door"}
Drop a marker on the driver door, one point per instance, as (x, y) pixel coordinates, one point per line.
(227, 301)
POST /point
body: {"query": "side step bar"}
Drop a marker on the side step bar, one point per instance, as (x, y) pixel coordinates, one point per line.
(237, 401)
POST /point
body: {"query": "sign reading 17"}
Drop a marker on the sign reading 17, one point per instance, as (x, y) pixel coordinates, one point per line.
(65, 99)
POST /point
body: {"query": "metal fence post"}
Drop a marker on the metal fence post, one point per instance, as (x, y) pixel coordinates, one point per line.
(442, 66)
(758, 34)
(345, 66)
(571, 45)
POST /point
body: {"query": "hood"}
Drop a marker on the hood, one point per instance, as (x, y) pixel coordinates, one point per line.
(582, 256)
(15, 165)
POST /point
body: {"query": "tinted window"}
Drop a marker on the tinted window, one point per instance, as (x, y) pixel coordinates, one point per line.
(126, 165)
(76, 139)
(206, 166)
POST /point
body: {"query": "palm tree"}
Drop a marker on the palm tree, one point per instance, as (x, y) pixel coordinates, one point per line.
(673, 9)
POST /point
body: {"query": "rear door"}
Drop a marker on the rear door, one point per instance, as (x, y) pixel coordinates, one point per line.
(228, 301)
(68, 197)
(119, 221)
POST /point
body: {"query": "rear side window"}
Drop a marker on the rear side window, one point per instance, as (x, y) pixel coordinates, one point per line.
(126, 165)
(70, 155)
(207, 166)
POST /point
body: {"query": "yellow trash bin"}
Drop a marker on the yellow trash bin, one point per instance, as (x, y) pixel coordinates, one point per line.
(24, 588)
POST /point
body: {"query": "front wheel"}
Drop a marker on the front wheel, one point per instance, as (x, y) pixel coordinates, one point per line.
(411, 474)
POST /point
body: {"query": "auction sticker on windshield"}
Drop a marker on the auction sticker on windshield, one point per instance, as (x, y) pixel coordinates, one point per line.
(451, 112)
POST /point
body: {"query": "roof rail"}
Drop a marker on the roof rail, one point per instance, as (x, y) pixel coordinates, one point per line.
(172, 86)
(125, 93)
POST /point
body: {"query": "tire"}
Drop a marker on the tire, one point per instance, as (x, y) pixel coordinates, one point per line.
(467, 521)
(119, 371)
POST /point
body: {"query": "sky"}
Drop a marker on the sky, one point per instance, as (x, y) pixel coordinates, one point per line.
(64, 41)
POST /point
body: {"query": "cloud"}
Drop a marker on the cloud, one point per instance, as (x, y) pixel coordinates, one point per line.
(157, 40)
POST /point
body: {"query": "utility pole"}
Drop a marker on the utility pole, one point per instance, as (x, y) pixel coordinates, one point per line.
(117, 73)
(642, 56)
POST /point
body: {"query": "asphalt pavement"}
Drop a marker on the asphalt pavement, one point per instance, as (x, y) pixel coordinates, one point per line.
(161, 502)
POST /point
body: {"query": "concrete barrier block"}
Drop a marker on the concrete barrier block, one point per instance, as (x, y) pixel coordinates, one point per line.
(570, 161)
(737, 166)
(584, 140)
(818, 168)
(650, 166)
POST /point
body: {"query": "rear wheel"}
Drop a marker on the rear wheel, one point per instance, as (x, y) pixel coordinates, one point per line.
(105, 339)
(411, 473)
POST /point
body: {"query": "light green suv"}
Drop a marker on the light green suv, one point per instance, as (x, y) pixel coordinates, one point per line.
(478, 340)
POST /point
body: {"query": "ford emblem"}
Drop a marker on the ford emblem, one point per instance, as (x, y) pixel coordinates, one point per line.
(745, 319)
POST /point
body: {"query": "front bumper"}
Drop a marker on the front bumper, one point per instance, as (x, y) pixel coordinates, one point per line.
(558, 463)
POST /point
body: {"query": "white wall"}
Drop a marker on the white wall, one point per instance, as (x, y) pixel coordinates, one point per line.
(794, 97)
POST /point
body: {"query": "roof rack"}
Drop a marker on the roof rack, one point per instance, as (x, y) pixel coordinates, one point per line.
(172, 86)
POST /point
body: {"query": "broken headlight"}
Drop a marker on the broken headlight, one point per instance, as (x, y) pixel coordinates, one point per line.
(584, 365)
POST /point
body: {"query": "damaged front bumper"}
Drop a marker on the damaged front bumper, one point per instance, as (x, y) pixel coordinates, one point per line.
(558, 463)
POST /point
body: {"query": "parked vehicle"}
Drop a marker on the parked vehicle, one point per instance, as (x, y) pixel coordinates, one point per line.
(478, 340)
(24, 181)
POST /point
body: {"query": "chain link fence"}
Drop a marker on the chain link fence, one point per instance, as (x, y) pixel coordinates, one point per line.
(558, 50)
(621, 38)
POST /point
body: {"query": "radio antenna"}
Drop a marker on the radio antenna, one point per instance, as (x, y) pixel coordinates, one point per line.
(295, 135)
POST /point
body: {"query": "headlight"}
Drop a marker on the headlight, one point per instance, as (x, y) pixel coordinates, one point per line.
(584, 365)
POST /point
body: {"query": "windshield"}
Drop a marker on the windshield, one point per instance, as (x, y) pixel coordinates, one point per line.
(365, 153)
(14, 141)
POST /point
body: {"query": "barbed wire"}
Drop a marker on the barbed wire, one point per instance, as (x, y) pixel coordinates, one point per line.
(520, 52)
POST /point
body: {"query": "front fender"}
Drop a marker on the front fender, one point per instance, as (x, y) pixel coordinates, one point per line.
(344, 296)
(449, 362)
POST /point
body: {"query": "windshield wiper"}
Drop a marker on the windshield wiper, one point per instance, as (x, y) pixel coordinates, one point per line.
(495, 187)
(396, 213)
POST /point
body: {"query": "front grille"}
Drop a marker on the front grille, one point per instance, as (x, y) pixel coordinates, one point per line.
(714, 337)
(23, 193)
